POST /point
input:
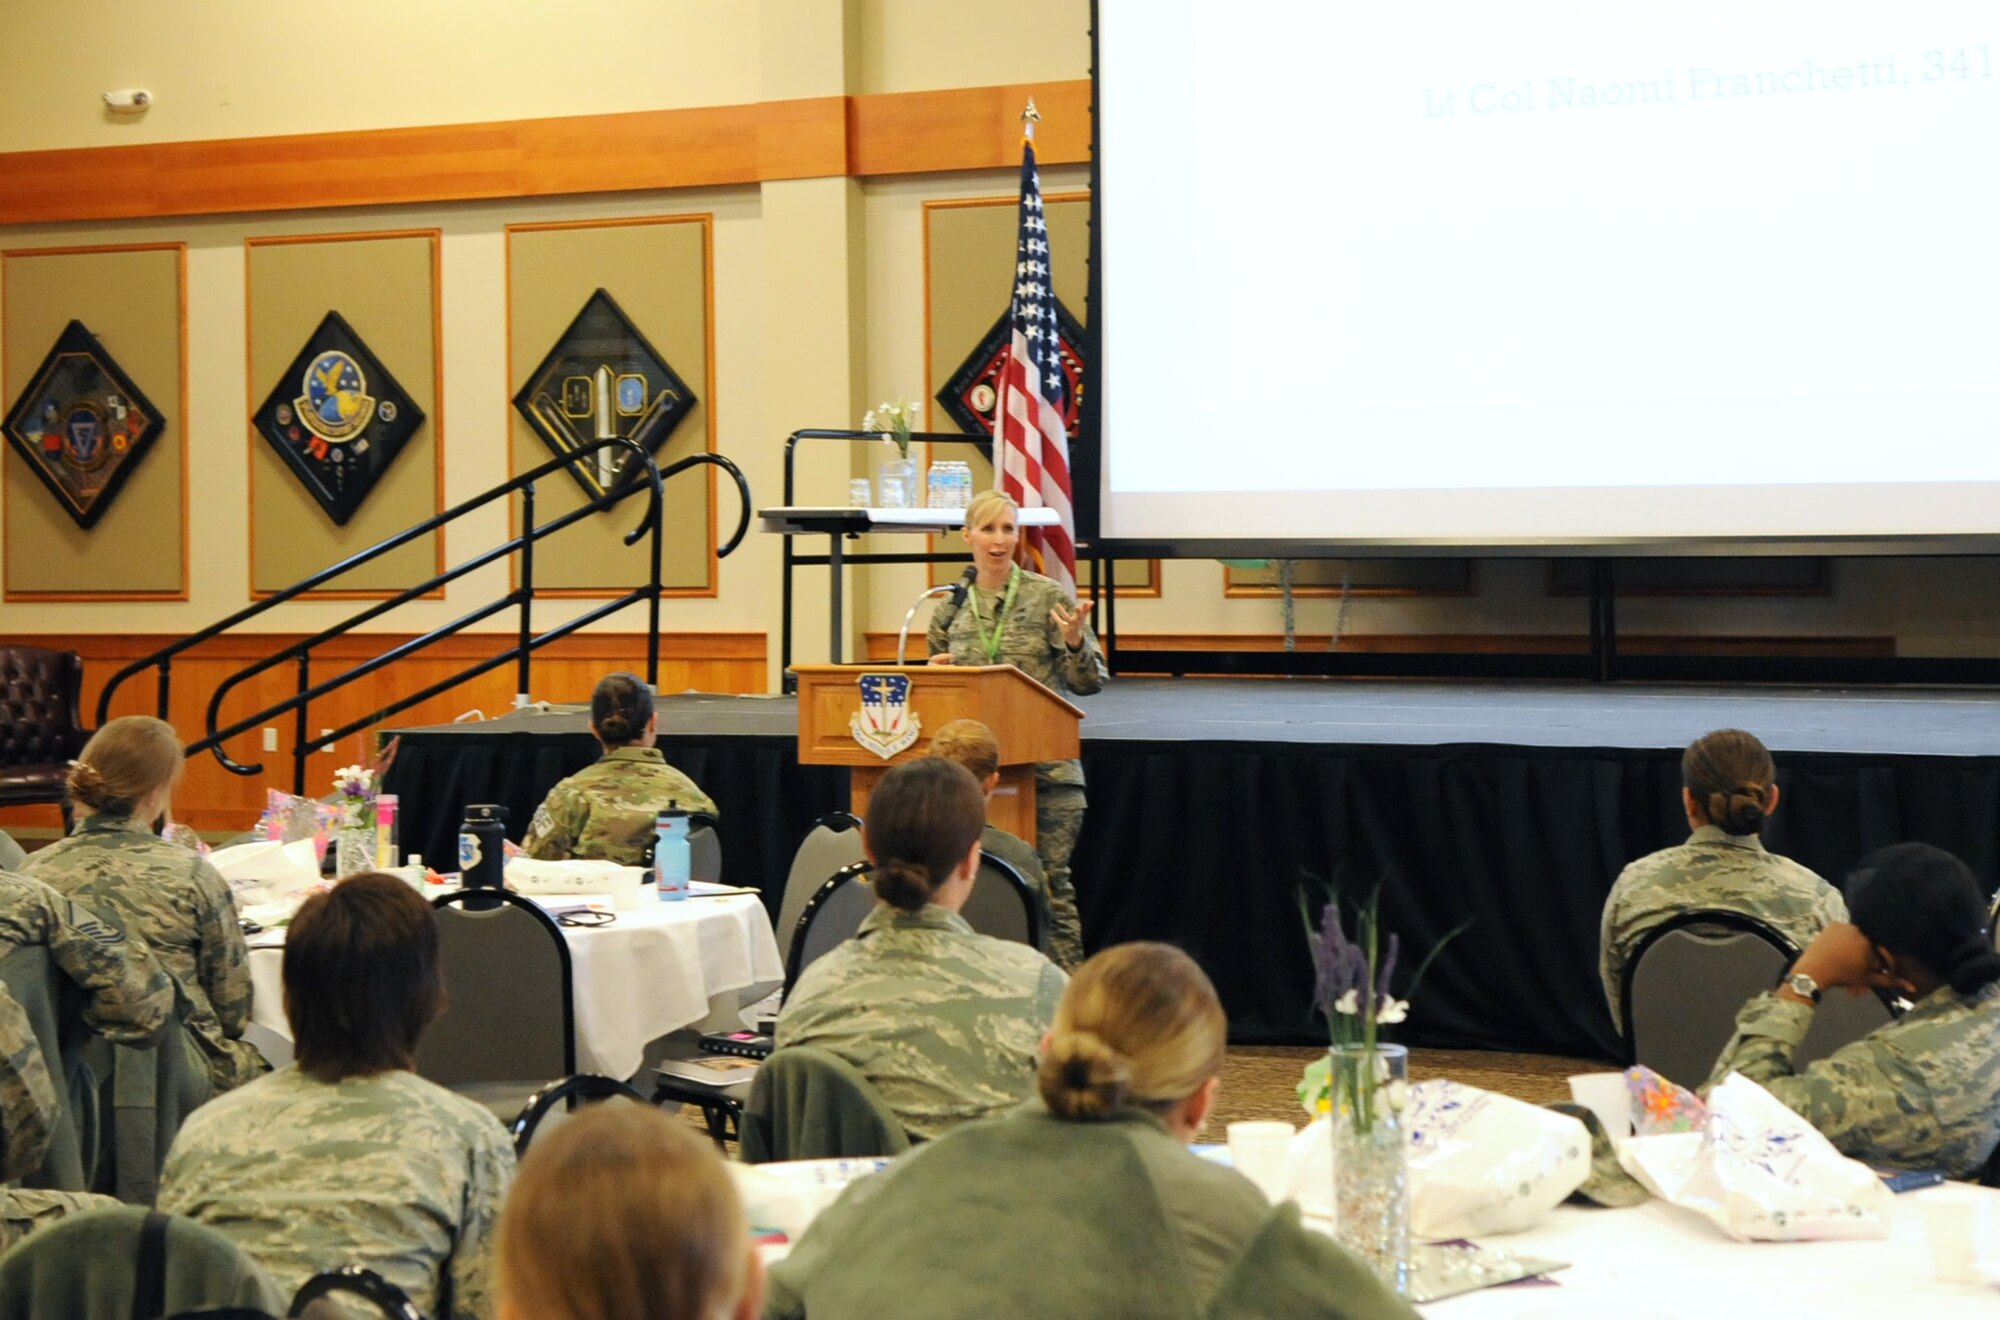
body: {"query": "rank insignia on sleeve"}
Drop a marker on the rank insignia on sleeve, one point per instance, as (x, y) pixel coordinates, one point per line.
(337, 418)
(82, 425)
(603, 380)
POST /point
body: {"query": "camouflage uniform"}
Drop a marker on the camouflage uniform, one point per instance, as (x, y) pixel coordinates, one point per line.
(1922, 1092)
(182, 907)
(1032, 643)
(11, 854)
(1713, 869)
(606, 810)
(129, 996)
(946, 1023)
(390, 1172)
(30, 1109)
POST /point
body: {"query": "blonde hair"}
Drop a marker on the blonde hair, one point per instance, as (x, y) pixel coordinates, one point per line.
(123, 762)
(987, 503)
(622, 1214)
(969, 743)
(1138, 1027)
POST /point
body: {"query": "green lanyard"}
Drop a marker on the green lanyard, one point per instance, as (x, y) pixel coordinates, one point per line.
(990, 641)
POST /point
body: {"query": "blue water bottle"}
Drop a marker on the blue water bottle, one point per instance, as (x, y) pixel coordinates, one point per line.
(671, 857)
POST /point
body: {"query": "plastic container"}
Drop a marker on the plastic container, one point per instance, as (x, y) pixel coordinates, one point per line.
(385, 832)
(672, 858)
(482, 843)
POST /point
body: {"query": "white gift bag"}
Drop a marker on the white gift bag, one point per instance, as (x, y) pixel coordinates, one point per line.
(577, 876)
(1760, 1172)
(1479, 1162)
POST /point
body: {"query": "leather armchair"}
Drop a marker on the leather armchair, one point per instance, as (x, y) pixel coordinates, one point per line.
(41, 726)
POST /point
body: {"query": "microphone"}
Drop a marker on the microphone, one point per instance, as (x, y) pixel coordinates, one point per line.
(956, 590)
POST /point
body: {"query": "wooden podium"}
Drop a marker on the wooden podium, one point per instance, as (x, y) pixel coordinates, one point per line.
(1032, 724)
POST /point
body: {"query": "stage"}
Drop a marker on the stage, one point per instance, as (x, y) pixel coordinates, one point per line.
(1506, 808)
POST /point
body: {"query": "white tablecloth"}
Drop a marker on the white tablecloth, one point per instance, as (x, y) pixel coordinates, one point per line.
(653, 971)
(1655, 1261)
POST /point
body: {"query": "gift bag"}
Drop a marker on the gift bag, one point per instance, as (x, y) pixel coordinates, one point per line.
(1760, 1172)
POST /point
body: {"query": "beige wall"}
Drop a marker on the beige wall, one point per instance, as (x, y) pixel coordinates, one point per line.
(819, 284)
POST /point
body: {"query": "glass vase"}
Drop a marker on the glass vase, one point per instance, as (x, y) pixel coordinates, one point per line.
(1371, 1166)
(353, 852)
(896, 484)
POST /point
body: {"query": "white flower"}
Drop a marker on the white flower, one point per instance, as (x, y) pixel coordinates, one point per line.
(914, 407)
(1392, 1011)
(868, 420)
(1349, 1003)
(1391, 1098)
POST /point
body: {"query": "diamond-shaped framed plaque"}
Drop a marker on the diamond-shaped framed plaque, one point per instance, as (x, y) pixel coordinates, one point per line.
(82, 425)
(603, 379)
(337, 418)
(973, 391)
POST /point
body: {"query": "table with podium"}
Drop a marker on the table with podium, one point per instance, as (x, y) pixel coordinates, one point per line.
(1031, 722)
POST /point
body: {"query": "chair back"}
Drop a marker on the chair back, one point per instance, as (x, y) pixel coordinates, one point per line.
(121, 1261)
(325, 1296)
(1841, 1019)
(833, 841)
(811, 1104)
(704, 848)
(509, 1012)
(144, 1095)
(54, 1007)
(1003, 904)
(1685, 983)
(581, 1086)
(41, 722)
(830, 917)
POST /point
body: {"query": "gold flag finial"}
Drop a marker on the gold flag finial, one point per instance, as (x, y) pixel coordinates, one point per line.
(1031, 115)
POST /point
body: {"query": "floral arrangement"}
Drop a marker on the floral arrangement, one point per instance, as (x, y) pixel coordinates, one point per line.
(354, 790)
(1351, 986)
(894, 421)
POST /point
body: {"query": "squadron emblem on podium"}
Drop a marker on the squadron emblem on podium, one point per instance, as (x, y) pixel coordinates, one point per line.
(337, 418)
(82, 425)
(885, 724)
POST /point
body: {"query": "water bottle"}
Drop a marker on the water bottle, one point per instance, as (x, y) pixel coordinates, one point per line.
(386, 837)
(482, 843)
(937, 487)
(672, 859)
(963, 497)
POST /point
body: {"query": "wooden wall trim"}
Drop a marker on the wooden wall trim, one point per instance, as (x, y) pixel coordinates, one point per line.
(881, 646)
(359, 646)
(816, 137)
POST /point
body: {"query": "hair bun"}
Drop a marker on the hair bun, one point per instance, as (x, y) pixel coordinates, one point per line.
(616, 729)
(1974, 964)
(1082, 1077)
(86, 785)
(901, 884)
(1741, 810)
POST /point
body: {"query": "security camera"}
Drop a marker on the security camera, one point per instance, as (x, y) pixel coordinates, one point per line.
(130, 100)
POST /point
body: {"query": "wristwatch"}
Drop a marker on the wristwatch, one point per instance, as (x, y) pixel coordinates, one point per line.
(1803, 985)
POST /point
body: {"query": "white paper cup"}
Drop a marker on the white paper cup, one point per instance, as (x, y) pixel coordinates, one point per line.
(1262, 1152)
(628, 892)
(1604, 1095)
(1959, 1223)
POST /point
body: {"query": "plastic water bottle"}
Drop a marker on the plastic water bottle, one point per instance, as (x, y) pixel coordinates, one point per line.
(672, 859)
(937, 487)
(961, 494)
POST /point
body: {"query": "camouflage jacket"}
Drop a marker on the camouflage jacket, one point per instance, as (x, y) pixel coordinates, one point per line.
(128, 996)
(1031, 642)
(1713, 869)
(1922, 1092)
(606, 810)
(12, 857)
(945, 1022)
(390, 1172)
(29, 1106)
(182, 907)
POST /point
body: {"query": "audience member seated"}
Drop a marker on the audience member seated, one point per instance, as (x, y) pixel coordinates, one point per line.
(972, 745)
(1087, 1203)
(623, 1214)
(12, 855)
(1728, 788)
(606, 810)
(348, 1157)
(941, 1020)
(1922, 1092)
(160, 891)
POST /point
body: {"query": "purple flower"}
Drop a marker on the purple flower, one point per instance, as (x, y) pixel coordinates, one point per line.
(1340, 967)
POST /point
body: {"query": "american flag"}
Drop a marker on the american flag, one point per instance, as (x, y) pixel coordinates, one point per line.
(1031, 444)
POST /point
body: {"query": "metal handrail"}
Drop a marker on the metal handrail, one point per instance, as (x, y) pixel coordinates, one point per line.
(650, 477)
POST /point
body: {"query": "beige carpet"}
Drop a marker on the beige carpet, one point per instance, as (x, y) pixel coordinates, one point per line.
(1259, 1081)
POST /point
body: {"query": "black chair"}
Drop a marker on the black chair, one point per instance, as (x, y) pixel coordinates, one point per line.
(41, 724)
(321, 1296)
(1003, 904)
(829, 918)
(704, 848)
(1685, 983)
(834, 841)
(509, 1024)
(580, 1086)
(123, 1261)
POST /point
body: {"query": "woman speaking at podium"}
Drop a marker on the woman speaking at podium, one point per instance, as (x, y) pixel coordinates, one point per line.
(1014, 617)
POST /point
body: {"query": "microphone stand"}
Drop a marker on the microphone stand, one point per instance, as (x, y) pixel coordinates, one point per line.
(903, 637)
